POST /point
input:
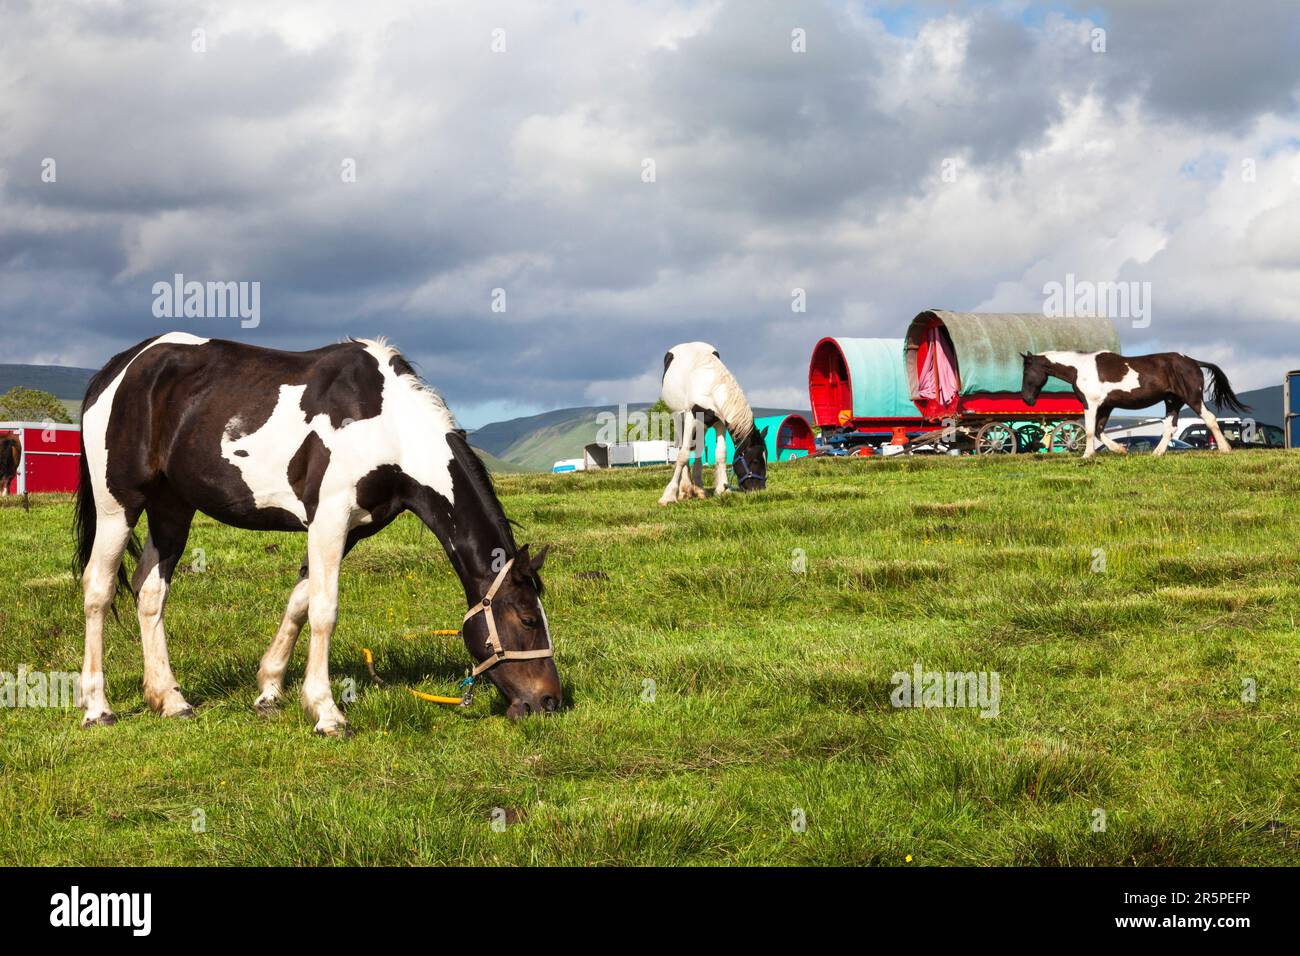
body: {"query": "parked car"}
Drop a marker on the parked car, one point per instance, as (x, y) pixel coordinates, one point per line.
(1191, 430)
(1145, 444)
(1262, 436)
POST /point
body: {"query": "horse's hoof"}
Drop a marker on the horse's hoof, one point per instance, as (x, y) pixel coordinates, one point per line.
(267, 707)
(341, 731)
(185, 713)
(103, 720)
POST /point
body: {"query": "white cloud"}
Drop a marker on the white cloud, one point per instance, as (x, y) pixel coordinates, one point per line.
(522, 170)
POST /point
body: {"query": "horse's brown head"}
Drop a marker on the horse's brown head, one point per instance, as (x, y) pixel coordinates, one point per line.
(1037, 371)
(507, 634)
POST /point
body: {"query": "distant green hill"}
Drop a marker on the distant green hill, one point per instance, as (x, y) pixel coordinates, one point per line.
(497, 466)
(63, 382)
(1265, 405)
(536, 442)
(60, 381)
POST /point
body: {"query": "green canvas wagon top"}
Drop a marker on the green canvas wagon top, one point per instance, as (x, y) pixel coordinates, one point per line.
(963, 363)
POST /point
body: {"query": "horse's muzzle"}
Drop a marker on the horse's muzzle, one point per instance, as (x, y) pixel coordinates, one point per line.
(544, 705)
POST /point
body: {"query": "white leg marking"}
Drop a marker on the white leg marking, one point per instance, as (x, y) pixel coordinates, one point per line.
(720, 478)
(1109, 442)
(160, 690)
(685, 429)
(1090, 428)
(1207, 416)
(98, 585)
(325, 541)
(1166, 436)
(270, 675)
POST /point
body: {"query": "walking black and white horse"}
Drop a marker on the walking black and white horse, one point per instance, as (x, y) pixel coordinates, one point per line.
(1104, 381)
(336, 442)
(11, 456)
(702, 394)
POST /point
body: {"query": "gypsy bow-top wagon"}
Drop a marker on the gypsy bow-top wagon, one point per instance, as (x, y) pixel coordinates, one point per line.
(966, 371)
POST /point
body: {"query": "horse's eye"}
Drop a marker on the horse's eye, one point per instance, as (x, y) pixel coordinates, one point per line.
(530, 622)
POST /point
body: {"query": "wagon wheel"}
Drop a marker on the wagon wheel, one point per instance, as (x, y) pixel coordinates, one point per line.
(995, 438)
(1068, 436)
(1030, 436)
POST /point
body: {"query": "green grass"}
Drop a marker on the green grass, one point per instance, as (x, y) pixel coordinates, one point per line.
(1121, 690)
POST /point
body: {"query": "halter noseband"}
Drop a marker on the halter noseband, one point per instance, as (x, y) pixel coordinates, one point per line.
(749, 474)
(499, 653)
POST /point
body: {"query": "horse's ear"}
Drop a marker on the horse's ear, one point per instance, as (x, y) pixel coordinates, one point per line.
(762, 432)
(535, 564)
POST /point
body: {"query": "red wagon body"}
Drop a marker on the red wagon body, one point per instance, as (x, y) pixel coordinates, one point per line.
(51, 457)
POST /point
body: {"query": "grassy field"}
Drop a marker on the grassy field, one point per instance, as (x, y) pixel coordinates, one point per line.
(1121, 675)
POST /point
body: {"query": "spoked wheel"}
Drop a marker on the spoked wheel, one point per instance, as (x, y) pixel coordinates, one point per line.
(1069, 437)
(995, 438)
(1030, 437)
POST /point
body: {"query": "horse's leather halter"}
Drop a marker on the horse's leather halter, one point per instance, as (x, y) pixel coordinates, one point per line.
(499, 653)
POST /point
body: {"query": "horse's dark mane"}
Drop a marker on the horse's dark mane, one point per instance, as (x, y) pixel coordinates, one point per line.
(481, 481)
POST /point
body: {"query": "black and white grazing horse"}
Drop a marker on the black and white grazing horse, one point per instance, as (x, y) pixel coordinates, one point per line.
(1104, 381)
(11, 456)
(336, 442)
(702, 394)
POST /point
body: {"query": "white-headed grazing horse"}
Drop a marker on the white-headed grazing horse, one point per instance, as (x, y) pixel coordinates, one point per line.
(702, 394)
(1104, 381)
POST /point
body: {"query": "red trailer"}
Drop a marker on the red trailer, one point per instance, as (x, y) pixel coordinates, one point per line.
(51, 457)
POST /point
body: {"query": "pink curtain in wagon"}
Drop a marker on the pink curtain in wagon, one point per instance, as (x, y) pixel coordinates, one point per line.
(939, 372)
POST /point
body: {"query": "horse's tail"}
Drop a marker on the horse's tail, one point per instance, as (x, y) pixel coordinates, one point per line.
(84, 516)
(1222, 392)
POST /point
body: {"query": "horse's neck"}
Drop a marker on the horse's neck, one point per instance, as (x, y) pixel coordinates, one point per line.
(472, 530)
(738, 435)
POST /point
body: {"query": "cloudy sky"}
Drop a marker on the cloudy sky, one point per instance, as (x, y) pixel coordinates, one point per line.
(912, 155)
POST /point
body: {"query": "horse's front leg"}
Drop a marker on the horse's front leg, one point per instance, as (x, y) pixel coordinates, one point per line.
(685, 432)
(720, 477)
(326, 545)
(1090, 431)
(1103, 418)
(1167, 431)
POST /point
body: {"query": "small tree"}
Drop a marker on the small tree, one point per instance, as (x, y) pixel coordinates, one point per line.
(655, 414)
(32, 405)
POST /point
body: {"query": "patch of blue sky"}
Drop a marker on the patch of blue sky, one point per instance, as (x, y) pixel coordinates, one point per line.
(905, 17)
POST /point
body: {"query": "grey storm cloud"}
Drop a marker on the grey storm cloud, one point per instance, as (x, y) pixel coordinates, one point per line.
(523, 170)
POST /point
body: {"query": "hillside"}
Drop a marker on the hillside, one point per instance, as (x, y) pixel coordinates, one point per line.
(1265, 405)
(64, 382)
(536, 442)
(497, 466)
(60, 381)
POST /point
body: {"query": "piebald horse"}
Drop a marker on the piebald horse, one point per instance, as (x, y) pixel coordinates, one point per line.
(702, 394)
(11, 456)
(335, 442)
(1104, 381)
